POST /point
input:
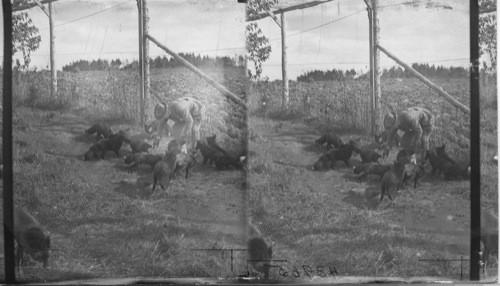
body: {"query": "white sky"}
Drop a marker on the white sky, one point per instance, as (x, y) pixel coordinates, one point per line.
(216, 27)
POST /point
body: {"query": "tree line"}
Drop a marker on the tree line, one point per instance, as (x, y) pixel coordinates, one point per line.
(394, 72)
(158, 62)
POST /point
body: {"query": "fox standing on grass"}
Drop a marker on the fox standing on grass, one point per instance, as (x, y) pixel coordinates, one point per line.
(186, 112)
(30, 237)
(417, 124)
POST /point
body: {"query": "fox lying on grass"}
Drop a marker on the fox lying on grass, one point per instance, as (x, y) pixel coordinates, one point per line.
(112, 143)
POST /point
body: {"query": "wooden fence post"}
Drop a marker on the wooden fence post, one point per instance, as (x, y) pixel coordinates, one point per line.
(53, 71)
(376, 67)
(141, 67)
(145, 45)
(285, 95)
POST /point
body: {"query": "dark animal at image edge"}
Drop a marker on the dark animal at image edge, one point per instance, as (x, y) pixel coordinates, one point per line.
(258, 250)
(489, 237)
(30, 237)
(101, 130)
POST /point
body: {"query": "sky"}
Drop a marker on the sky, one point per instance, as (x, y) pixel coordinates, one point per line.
(327, 36)
(109, 29)
(335, 35)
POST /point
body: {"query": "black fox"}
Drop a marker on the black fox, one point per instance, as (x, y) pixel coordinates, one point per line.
(213, 143)
(370, 168)
(367, 155)
(113, 143)
(209, 154)
(442, 154)
(162, 173)
(225, 162)
(438, 164)
(415, 172)
(137, 145)
(391, 181)
(92, 153)
(489, 236)
(30, 237)
(142, 158)
(259, 252)
(102, 130)
(324, 163)
(184, 162)
(344, 153)
(329, 139)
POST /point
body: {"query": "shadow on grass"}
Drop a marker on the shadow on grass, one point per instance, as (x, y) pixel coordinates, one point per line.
(139, 188)
(369, 199)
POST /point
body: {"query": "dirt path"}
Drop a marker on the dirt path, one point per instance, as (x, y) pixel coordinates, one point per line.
(294, 147)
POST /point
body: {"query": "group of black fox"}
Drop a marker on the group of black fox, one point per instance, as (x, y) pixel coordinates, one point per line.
(394, 176)
(165, 167)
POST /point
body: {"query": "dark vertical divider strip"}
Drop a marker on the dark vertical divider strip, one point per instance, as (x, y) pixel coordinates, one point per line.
(8, 205)
(475, 182)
